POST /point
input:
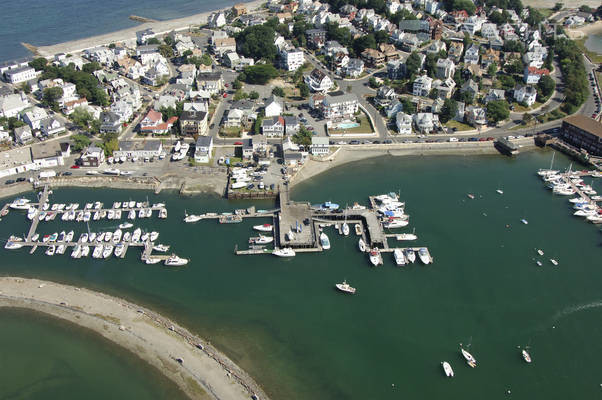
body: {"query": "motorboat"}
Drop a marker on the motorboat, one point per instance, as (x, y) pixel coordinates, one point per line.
(100, 237)
(97, 253)
(324, 241)
(192, 218)
(117, 214)
(85, 251)
(77, 251)
(584, 213)
(131, 204)
(87, 215)
(161, 247)
(375, 257)
(163, 213)
(499, 191)
(50, 250)
(107, 251)
(152, 260)
(14, 243)
(127, 236)
(96, 216)
(263, 228)
(61, 249)
(119, 249)
(424, 256)
(470, 196)
(111, 214)
(175, 261)
(470, 360)
(136, 235)
(406, 236)
(284, 252)
(410, 255)
(61, 236)
(132, 214)
(108, 236)
(153, 236)
(524, 221)
(554, 262)
(361, 245)
(141, 213)
(262, 239)
(358, 229)
(69, 236)
(145, 236)
(393, 223)
(345, 229)
(344, 287)
(158, 205)
(327, 206)
(539, 264)
(576, 200)
(79, 216)
(400, 259)
(35, 237)
(125, 225)
(117, 236)
(92, 237)
(540, 252)
(526, 356)
(53, 237)
(595, 219)
(20, 204)
(449, 372)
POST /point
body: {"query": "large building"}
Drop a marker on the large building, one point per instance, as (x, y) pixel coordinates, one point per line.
(21, 74)
(193, 123)
(139, 149)
(339, 105)
(583, 132)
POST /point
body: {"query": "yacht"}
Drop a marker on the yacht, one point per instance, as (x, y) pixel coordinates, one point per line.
(526, 356)
(14, 243)
(362, 245)
(119, 249)
(264, 239)
(358, 229)
(153, 236)
(399, 257)
(100, 237)
(50, 250)
(152, 260)
(125, 225)
(61, 249)
(85, 251)
(406, 236)
(175, 261)
(192, 218)
(127, 236)
(345, 229)
(324, 241)
(20, 204)
(108, 236)
(424, 256)
(375, 257)
(344, 287)
(554, 262)
(117, 236)
(161, 247)
(449, 372)
(263, 228)
(107, 251)
(410, 255)
(132, 214)
(500, 191)
(284, 252)
(584, 213)
(524, 221)
(163, 213)
(97, 253)
(393, 223)
(540, 252)
(136, 235)
(69, 236)
(92, 237)
(77, 251)
(470, 360)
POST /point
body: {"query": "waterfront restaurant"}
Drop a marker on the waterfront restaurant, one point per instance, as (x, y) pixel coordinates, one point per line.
(584, 133)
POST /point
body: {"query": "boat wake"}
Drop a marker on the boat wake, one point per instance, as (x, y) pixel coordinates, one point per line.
(575, 309)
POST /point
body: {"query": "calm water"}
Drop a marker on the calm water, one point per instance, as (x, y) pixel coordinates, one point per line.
(44, 358)
(45, 22)
(594, 43)
(283, 321)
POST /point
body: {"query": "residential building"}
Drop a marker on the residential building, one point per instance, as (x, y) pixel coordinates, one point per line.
(425, 122)
(471, 87)
(339, 105)
(148, 54)
(389, 51)
(403, 122)
(34, 116)
(224, 45)
(274, 106)
(489, 31)
(70, 106)
(217, 19)
(445, 88)
(393, 108)
(273, 127)
(93, 156)
(354, 68)
(584, 133)
(318, 81)
(123, 110)
(139, 149)
(292, 59)
(51, 126)
(153, 123)
(494, 95)
(384, 96)
(11, 105)
(437, 46)
(373, 57)
(316, 38)
(320, 146)
(20, 74)
(445, 68)
(294, 158)
(143, 36)
(193, 123)
(212, 82)
(23, 134)
(422, 86)
(333, 47)
(102, 55)
(291, 125)
(4, 135)
(525, 94)
(471, 56)
(490, 57)
(110, 122)
(476, 116)
(203, 149)
(239, 9)
(532, 75)
(50, 154)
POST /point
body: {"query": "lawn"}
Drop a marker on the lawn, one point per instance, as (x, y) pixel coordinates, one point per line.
(365, 127)
(458, 125)
(521, 108)
(595, 57)
(234, 131)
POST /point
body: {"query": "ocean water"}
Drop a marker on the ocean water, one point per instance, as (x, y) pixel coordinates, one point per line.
(285, 324)
(46, 22)
(594, 43)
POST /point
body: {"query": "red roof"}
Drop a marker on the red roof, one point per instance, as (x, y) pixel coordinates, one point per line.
(154, 116)
(534, 70)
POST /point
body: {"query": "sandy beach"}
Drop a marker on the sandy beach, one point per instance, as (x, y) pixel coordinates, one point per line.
(129, 35)
(585, 30)
(201, 374)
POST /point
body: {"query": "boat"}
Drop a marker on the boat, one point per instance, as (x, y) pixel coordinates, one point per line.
(92, 237)
(131, 204)
(61, 236)
(87, 216)
(117, 236)
(594, 219)
(406, 236)
(85, 251)
(549, 171)
(263, 228)
(175, 261)
(540, 252)
(35, 237)
(526, 356)
(449, 372)
(499, 191)
(163, 213)
(470, 360)
(284, 252)
(424, 256)
(329, 206)
(45, 238)
(262, 239)
(127, 236)
(107, 251)
(117, 214)
(50, 250)
(539, 264)
(345, 229)
(111, 214)
(14, 243)
(161, 247)
(119, 249)
(125, 225)
(136, 235)
(324, 241)
(97, 253)
(153, 236)
(576, 200)
(362, 245)
(77, 251)
(20, 204)
(100, 237)
(554, 262)
(470, 196)
(132, 214)
(410, 255)
(108, 236)
(192, 218)
(145, 236)
(61, 249)
(152, 260)
(344, 287)
(358, 229)
(96, 216)
(393, 223)
(375, 257)
(524, 221)
(69, 236)
(399, 257)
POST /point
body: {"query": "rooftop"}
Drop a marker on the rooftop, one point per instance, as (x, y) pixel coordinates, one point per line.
(585, 123)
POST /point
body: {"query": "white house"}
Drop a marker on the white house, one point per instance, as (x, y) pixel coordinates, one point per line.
(445, 68)
(20, 74)
(292, 59)
(217, 19)
(354, 68)
(4, 135)
(23, 134)
(273, 106)
(320, 146)
(318, 81)
(143, 36)
(123, 110)
(404, 123)
(34, 116)
(339, 105)
(139, 149)
(273, 127)
(51, 126)
(532, 75)
(13, 104)
(203, 149)
(425, 122)
(525, 94)
(471, 56)
(422, 86)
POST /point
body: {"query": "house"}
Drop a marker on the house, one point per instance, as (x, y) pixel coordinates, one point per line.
(315, 101)
(239, 9)
(247, 149)
(425, 122)
(294, 158)
(532, 75)
(193, 123)
(471, 87)
(49, 154)
(354, 68)
(455, 50)
(373, 57)
(444, 88)
(102, 55)
(212, 82)
(23, 134)
(490, 57)
(316, 38)
(153, 123)
(472, 25)
(339, 105)
(203, 149)
(494, 95)
(471, 56)
(496, 43)
(476, 116)
(384, 96)
(318, 81)
(109, 122)
(70, 106)
(584, 133)
(489, 31)
(416, 25)
(260, 144)
(273, 127)
(148, 54)
(34, 116)
(12, 104)
(143, 36)
(291, 125)
(93, 156)
(223, 45)
(393, 108)
(20, 74)
(409, 42)
(292, 59)
(525, 94)
(437, 46)
(4, 135)
(320, 146)
(445, 68)
(139, 149)
(241, 112)
(461, 111)
(396, 69)
(333, 47)
(390, 51)
(217, 19)
(403, 122)
(274, 106)
(422, 86)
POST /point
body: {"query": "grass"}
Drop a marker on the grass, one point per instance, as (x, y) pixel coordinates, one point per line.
(595, 57)
(458, 125)
(520, 108)
(365, 127)
(546, 12)
(234, 131)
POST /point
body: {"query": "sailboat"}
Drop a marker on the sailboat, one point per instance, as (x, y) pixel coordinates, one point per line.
(549, 171)
(345, 227)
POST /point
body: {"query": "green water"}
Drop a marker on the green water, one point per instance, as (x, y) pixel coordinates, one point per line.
(284, 323)
(46, 358)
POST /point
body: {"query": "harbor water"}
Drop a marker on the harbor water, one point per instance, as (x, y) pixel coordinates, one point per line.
(284, 322)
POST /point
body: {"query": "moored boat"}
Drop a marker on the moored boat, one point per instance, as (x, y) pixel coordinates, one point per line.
(284, 252)
(324, 241)
(192, 218)
(449, 372)
(399, 257)
(470, 360)
(362, 245)
(526, 356)
(263, 228)
(424, 256)
(344, 287)
(126, 225)
(375, 257)
(175, 261)
(358, 229)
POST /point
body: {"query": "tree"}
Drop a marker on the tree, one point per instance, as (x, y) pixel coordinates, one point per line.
(80, 142)
(303, 90)
(257, 125)
(153, 41)
(527, 118)
(166, 51)
(236, 84)
(81, 117)
(408, 106)
(535, 17)
(278, 91)
(258, 42)
(373, 82)
(586, 9)
(364, 42)
(492, 69)
(341, 35)
(514, 46)
(39, 64)
(448, 111)
(110, 143)
(546, 86)
(302, 137)
(254, 95)
(91, 67)
(206, 59)
(413, 64)
(260, 74)
(381, 36)
(13, 123)
(457, 5)
(168, 112)
(557, 7)
(51, 96)
(498, 110)
(25, 87)
(168, 40)
(507, 82)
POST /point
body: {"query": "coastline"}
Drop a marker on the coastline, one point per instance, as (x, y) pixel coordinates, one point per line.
(205, 373)
(129, 34)
(585, 30)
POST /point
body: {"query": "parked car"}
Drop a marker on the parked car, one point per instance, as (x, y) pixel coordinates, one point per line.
(74, 166)
(388, 141)
(9, 182)
(238, 143)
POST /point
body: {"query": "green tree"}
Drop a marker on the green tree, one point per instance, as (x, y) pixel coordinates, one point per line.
(448, 111)
(341, 35)
(51, 96)
(303, 90)
(527, 118)
(373, 82)
(80, 142)
(166, 50)
(507, 82)
(302, 137)
(206, 59)
(253, 95)
(81, 117)
(236, 84)
(535, 17)
(498, 110)
(586, 9)
(514, 46)
(492, 69)
(39, 64)
(413, 64)
(257, 42)
(257, 125)
(153, 41)
(545, 87)
(25, 87)
(260, 74)
(557, 7)
(13, 123)
(168, 40)
(364, 42)
(91, 67)
(278, 91)
(408, 106)
(240, 95)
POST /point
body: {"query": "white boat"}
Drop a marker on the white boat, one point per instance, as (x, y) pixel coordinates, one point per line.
(131, 204)
(406, 236)
(77, 251)
(136, 235)
(362, 245)
(540, 252)
(88, 206)
(410, 255)
(163, 213)
(127, 236)
(344, 287)
(144, 236)
(175, 261)
(111, 214)
(117, 236)
(14, 243)
(141, 213)
(539, 264)
(263, 228)
(470, 360)
(96, 216)
(125, 225)
(575, 200)
(50, 250)
(584, 213)
(132, 214)
(262, 239)
(108, 236)
(119, 249)
(35, 237)
(117, 214)
(192, 218)
(395, 223)
(499, 191)
(549, 171)
(345, 229)
(97, 253)
(85, 251)
(400, 259)
(100, 237)
(524, 221)
(20, 204)
(152, 260)
(111, 171)
(92, 237)
(69, 236)
(554, 262)
(449, 372)
(161, 247)
(107, 251)
(358, 229)
(153, 236)
(424, 256)
(177, 147)
(526, 356)
(324, 241)
(284, 252)
(595, 219)
(87, 215)
(375, 257)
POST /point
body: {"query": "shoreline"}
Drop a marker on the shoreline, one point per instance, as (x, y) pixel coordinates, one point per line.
(585, 30)
(129, 34)
(157, 340)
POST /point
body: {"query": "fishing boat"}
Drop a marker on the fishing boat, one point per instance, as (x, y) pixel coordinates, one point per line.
(175, 261)
(344, 287)
(449, 372)
(324, 241)
(152, 260)
(526, 356)
(126, 225)
(161, 247)
(375, 257)
(470, 360)
(554, 262)
(284, 252)
(410, 255)
(361, 245)
(358, 229)
(400, 259)
(50, 250)
(263, 228)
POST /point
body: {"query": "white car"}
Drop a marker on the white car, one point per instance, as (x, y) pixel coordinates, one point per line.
(453, 139)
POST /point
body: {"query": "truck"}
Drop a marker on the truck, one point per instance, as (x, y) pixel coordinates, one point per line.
(48, 174)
